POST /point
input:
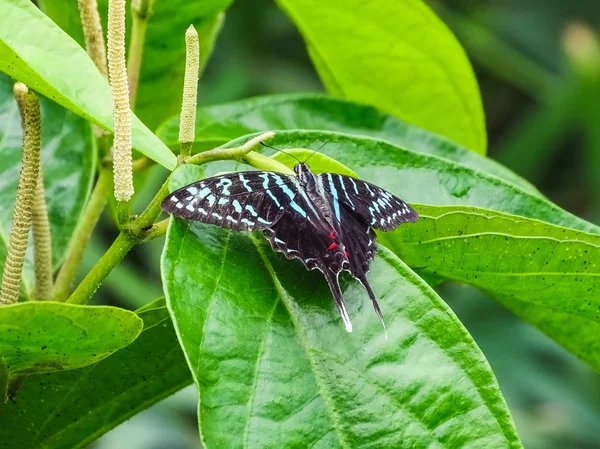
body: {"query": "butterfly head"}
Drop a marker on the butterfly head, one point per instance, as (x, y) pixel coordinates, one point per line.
(305, 175)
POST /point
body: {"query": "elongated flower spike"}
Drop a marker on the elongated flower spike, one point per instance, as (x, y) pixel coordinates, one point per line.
(187, 119)
(117, 71)
(92, 32)
(42, 243)
(13, 267)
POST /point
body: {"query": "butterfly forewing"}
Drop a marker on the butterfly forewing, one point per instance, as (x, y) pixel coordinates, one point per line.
(381, 209)
(246, 201)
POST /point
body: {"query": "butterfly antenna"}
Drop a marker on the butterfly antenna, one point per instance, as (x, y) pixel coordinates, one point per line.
(316, 151)
(281, 151)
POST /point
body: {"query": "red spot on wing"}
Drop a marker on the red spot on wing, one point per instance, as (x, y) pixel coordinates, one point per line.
(346, 253)
(332, 235)
(332, 246)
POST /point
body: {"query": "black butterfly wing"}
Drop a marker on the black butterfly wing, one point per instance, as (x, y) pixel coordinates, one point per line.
(360, 243)
(315, 244)
(381, 209)
(245, 201)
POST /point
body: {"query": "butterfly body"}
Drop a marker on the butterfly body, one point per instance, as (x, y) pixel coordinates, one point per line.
(326, 221)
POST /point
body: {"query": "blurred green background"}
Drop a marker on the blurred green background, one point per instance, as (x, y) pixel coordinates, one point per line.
(538, 66)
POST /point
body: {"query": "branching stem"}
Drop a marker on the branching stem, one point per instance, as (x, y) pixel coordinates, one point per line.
(143, 227)
(79, 242)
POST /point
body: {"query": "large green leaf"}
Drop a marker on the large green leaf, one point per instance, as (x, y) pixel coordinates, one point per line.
(397, 56)
(275, 368)
(70, 409)
(547, 274)
(163, 62)
(68, 163)
(43, 337)
(216, 125)
(428, 179)
(422, 178)
(37, 52)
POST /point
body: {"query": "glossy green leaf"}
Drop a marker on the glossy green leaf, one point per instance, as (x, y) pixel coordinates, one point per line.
(216, 125)
(422, 178)
(42, 56)
(548, 274)
(43, 337)
(275, 368)
(68, 163)
(397, 56)
(70, 409)
(163, 61)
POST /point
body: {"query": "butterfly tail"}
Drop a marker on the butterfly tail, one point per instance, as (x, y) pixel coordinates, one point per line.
(363, 280)
(334, 286)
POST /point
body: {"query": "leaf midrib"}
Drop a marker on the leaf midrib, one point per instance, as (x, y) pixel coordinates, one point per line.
(284, 296)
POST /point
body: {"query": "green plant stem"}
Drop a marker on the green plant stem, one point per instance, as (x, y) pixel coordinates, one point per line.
(136, 49)
(90, 217)
(158, 230)
(143, 228)
(122, 209)
(120, 247)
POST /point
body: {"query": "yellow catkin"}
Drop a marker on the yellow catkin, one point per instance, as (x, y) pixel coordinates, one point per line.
(42, 243)
(187, 120)
(13, 266)
(122, 163)
(92, 32)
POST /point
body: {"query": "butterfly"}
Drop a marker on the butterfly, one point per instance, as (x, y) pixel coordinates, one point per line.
(326, 221)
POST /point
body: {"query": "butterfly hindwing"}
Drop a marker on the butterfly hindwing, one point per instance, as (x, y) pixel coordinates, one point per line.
(314, 243)
(381, 209)
(245, 201)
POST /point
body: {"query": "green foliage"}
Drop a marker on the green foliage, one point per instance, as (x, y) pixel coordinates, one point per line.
(44, 337)
(257, 333)
(545, 273)
(397, 56)
(81, 404)
(423, 178)
(161, 77)
(68, 161)
(43, 57)
(216, 125)
(275, 367)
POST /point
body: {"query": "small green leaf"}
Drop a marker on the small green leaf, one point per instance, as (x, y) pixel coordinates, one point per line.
(80, 405)
(216, 125)
(275, 368)
(397, 56)
(68, 163)
(43, 337)
(547, 274)
(47, 60)
(163, 60)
